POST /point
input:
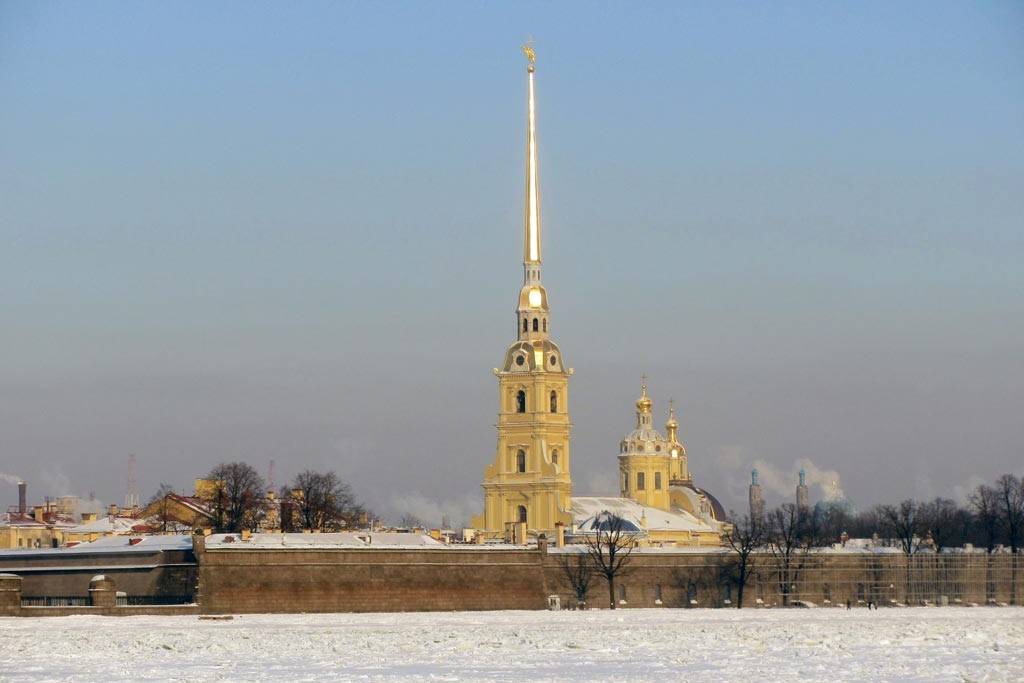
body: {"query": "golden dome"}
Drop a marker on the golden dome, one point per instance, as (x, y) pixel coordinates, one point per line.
(643, 404)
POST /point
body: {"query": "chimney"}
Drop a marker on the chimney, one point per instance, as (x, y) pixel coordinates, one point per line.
(22, 497)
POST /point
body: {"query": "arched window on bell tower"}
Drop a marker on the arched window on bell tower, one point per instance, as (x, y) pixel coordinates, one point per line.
(526, 324)
(554, 401)
(520, 401)
(536, 325)
(521, 461)
(522, 513)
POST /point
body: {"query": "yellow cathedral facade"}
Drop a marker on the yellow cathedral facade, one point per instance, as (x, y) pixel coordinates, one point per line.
(528, 485)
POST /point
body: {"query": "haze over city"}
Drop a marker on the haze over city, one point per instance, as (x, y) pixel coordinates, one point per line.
(294, 233)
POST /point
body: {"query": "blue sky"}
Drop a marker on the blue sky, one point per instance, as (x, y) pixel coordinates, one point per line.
(246, 230)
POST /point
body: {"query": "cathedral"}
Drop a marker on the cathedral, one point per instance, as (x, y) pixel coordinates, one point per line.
(528, 487)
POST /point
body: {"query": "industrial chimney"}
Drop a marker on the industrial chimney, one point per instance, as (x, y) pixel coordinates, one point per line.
(22, 497)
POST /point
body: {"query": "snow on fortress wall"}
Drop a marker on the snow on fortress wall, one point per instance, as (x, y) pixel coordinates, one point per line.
(382, 573)
(318, 577)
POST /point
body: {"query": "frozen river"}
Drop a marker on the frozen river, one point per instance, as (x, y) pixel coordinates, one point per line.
(923, 644)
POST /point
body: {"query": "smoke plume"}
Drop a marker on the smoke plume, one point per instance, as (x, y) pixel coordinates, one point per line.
(825, 483)
(10, 478)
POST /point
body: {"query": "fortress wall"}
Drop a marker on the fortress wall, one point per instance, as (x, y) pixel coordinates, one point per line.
(708, 580)
(255, 579)
(364, 580)
(171, 573)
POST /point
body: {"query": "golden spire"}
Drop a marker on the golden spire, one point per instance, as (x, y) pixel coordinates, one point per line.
(531, 251)
(672, 426)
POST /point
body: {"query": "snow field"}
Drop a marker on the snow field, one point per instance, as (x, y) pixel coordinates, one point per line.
(922, 644)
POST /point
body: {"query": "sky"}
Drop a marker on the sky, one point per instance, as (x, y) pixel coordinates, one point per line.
(292, 232)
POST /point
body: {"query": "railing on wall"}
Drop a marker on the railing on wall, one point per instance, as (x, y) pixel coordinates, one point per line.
(137, 600)
(54, 601)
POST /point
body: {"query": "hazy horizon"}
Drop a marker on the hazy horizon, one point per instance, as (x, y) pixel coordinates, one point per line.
(255, 232)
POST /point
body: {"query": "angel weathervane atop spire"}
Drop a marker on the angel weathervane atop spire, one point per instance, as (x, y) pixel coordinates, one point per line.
(530, 53)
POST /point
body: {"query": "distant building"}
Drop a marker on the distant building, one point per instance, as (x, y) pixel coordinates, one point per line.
(756, 497)
(803, 500)
(33, 526)
(175, 513)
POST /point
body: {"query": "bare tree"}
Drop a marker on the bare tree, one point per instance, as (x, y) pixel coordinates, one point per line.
(1011, 506)
(410, 521)
(609, 548)
(941, 520)
(324, 502)
(578, 569)
(745, 536)
(985, 503)
(1011, 499)
(789, 540)
(237, 497)
(903, 523)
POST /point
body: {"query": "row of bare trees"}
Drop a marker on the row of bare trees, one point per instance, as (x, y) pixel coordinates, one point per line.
(994, 516)
(237, 499)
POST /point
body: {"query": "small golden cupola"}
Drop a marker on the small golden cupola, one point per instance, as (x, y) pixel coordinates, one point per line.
(643, 407)
(672, 426)
(678, 468)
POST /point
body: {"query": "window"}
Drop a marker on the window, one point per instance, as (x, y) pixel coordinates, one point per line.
(522, 512)
(657, 591)
(521, 461)
(728, 592)
(622, 594)
(554, 401)
(526, 324)
(521, 401)
(554, 455)
(639, 481)
(657, 481)
(625, 481)
(545, 324)
(691, 592)
(535, 325)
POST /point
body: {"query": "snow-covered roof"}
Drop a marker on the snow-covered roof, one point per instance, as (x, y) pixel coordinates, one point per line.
(325, 541)
(110, 544)
(106, 525)
(25, 520)
(585, 508)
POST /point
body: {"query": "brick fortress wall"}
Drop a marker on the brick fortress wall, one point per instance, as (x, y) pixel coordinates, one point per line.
(467, 578)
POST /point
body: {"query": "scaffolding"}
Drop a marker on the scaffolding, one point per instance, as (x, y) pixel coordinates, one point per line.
(889, 578)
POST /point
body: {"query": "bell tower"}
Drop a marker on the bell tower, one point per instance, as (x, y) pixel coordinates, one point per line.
(528, 480)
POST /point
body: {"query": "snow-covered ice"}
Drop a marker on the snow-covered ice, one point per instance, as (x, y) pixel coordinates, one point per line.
(921, 644)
